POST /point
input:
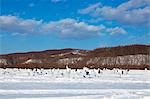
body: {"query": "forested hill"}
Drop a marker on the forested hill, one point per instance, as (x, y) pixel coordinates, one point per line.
(125, 57)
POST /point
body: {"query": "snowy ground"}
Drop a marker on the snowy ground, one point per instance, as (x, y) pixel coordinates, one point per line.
(72, 84)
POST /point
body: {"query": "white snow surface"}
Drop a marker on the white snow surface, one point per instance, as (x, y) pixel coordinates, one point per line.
(74, 84)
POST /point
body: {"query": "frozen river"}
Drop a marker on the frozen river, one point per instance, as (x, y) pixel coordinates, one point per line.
(72, 84)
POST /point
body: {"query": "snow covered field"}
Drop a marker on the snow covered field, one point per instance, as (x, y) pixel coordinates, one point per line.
(74, 84)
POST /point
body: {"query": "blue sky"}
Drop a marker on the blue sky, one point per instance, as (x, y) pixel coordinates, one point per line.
(32, 25)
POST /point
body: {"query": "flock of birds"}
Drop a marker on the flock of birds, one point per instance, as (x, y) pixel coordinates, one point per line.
(60, 73)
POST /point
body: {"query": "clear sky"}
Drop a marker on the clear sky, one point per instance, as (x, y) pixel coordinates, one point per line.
(33, 25)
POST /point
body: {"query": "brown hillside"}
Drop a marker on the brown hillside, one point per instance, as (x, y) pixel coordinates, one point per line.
(125, 57)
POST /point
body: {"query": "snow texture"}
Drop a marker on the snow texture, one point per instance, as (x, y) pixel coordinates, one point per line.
(74, 84)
